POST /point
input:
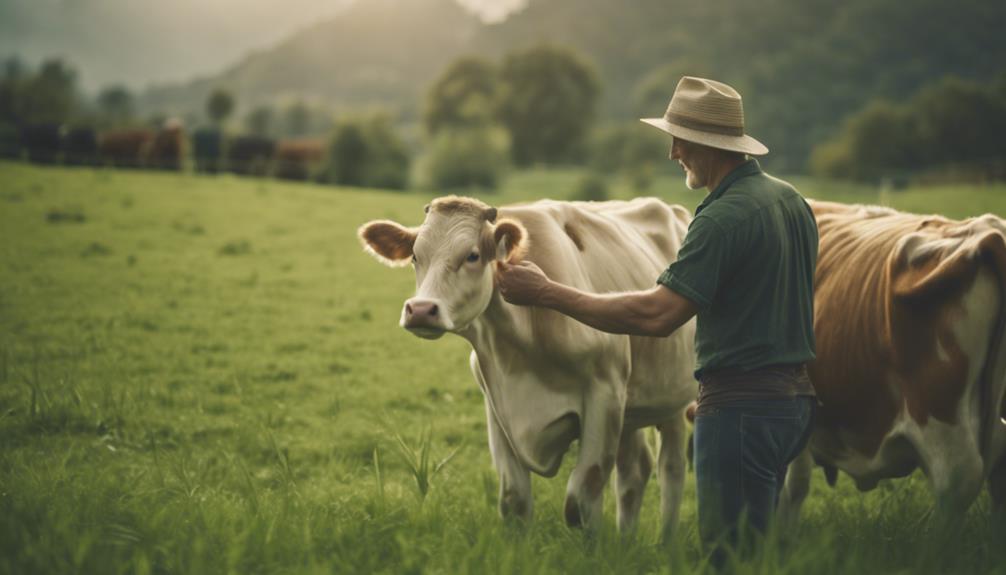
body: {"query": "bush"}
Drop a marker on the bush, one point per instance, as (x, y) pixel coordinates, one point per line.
(632, 150)
(367, 152)
(591, 188)
(476, 157)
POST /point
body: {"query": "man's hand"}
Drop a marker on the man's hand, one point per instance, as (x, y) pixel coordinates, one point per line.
(521, 284)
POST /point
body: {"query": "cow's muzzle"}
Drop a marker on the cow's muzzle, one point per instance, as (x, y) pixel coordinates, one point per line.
(425, 318)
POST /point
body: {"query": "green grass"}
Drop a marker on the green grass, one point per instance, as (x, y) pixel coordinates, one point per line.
(205, 375)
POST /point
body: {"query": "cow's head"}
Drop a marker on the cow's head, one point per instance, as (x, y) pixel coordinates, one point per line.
(453, 253)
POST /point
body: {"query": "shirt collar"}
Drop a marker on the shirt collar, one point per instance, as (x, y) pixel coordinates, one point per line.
(747, 168)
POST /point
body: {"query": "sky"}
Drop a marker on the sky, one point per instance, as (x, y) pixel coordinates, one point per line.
(142, 42)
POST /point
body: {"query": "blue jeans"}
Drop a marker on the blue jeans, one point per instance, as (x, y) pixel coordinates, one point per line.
(741, 453)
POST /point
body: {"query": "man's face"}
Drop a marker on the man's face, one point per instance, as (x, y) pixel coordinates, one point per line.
(695, 160)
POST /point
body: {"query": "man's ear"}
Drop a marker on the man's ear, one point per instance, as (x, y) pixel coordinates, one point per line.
(511, 240)
(389, 242)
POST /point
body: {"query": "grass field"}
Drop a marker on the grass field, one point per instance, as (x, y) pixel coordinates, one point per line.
(205, 375)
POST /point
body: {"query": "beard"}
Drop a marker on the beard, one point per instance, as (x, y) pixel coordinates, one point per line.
(692, 180)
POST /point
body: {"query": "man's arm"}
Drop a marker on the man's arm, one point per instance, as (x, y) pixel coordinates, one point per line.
(656, 312)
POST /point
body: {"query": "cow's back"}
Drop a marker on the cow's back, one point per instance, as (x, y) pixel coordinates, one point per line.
(602, 246)
(615, 246)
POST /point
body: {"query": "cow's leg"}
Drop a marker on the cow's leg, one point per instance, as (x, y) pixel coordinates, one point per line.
(600, 432)
(515, 480)
(515, 499)
(794, 491)
(952, 462)
(633, 465)
(997, 489)
(672, 467)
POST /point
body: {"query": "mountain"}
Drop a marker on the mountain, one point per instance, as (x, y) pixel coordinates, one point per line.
(377, 53)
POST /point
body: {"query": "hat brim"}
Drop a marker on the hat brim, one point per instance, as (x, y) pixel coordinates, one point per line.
(745, 144)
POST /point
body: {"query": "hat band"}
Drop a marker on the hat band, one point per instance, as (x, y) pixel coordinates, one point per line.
(692, 124)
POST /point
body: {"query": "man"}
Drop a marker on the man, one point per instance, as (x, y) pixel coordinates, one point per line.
(746, 269)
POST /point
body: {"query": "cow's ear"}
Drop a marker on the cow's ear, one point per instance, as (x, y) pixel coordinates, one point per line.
(511, 240)
(389, 242)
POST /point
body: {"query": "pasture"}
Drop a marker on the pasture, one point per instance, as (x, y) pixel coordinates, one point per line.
(205, 375)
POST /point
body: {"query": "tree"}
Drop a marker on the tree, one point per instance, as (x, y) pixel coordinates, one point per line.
(297, 119)
(464, 95)
(259, 121)
(12, 91)
(652, 94)
(879, 141)
(219, 105)
(50, 96)
(960, 121)
(116, 105)
(548, 103)
(952, 122)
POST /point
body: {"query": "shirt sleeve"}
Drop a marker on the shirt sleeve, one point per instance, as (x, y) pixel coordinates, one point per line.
(703, 261)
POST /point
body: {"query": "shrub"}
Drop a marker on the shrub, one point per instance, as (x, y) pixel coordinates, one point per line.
(476, 157)
(632, 150)
(367, 152)
(591, 188)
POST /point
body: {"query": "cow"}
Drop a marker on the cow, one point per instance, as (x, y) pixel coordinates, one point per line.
(80, 146)
(546, 379)
(299, 159)
(911, 364)
(167, 149)
(250, 155)
(207, 150)
(125, 148)
(42, 142)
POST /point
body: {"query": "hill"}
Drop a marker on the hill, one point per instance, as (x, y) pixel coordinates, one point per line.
(803, 65)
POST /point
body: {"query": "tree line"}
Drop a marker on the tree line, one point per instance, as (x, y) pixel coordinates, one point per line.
(951, 129)
(479, 119)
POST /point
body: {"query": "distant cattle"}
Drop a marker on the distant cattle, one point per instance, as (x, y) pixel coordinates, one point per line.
(80, 147)
(10, 141)
(207, 150)
(911, 360)
(299, 159)
(167, 149)
(548, 380)
(250, 155)
(43, 143)
(125, 148)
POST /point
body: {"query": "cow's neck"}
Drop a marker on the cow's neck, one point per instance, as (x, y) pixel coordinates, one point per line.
(500, 329)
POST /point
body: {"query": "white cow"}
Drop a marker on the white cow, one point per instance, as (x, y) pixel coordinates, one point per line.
(911, 361)
(547, 379)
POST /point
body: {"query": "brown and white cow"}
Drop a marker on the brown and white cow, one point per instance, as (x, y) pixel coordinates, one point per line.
(911, 365)
(547, 379)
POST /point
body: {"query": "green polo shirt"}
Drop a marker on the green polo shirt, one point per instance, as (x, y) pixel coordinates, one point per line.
(748, 264)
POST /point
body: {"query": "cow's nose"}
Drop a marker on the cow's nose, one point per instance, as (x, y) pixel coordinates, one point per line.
(421, 309)
(421, 313)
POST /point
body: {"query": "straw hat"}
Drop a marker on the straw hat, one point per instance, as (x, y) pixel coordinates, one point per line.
(709, 113)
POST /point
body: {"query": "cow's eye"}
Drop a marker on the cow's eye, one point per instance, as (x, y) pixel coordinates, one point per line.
(472, 257)
(413, 259)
